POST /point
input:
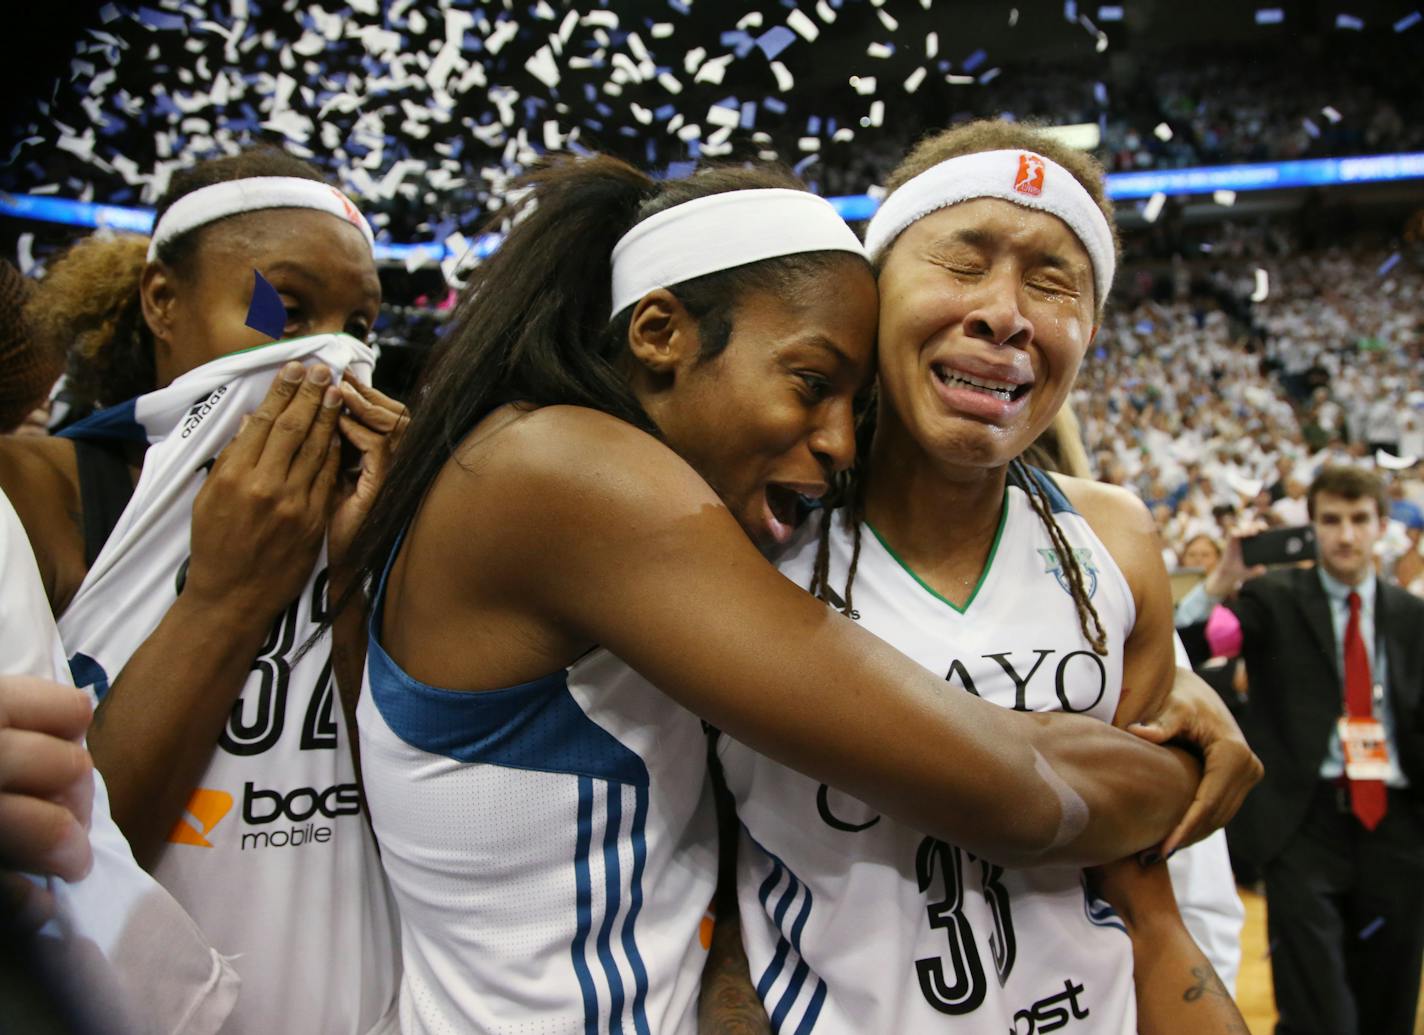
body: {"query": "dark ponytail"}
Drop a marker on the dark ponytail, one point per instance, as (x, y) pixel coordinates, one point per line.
(533, 324)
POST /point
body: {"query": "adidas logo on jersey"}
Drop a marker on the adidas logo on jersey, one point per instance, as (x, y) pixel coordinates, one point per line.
(201, 409)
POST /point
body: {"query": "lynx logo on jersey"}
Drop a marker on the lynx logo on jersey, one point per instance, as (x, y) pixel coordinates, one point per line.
(1084, 556)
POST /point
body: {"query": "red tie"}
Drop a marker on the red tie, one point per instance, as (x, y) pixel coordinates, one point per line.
(1367, 797)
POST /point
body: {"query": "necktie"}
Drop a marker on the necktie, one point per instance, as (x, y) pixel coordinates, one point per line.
(1367, 797)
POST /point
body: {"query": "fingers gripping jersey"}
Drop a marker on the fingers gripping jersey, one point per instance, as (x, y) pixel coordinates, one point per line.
(854, 923)
(273, 858)
(552, 848)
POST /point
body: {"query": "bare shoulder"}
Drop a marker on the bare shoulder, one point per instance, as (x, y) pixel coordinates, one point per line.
(1107, 508)
(41, 479)
(571, 460)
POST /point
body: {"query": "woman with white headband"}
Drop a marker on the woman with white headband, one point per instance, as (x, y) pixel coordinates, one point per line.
(187, 533)
(995, 252)
(642, 386)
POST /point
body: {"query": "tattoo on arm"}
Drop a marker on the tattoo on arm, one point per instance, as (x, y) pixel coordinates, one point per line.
(1207, 983)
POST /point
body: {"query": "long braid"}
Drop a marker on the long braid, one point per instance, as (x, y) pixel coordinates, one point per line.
(1038, 499)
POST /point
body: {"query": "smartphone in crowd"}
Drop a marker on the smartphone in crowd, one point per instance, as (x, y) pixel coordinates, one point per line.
(1279, 546)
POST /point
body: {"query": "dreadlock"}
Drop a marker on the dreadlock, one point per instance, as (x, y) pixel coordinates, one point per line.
(1031, 481)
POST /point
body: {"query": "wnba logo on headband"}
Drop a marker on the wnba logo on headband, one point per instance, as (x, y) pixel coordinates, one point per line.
(1030, 176)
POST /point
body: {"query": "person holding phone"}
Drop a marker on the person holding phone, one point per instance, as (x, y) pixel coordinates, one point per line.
(1335, 712)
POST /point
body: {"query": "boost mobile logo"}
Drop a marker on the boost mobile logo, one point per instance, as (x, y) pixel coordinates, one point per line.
(206, 808)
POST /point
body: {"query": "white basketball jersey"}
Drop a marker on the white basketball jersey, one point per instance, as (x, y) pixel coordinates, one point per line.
(552, 848)
(273, 858)
(856, 924)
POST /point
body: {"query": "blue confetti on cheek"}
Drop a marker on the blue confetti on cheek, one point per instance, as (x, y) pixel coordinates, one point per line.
(266, 313)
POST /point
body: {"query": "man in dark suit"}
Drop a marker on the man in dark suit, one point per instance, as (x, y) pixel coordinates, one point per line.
(1335, 710)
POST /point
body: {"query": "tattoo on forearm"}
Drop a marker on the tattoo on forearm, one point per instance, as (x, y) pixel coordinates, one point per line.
(732, 1008)
(1207, 983)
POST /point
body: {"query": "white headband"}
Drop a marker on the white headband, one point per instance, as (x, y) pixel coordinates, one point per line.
(1022, 177)
(220, 200)
(720, 231)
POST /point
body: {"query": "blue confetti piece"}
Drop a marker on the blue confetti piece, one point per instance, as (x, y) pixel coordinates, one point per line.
(680, 170)
(727, 102)
(266, 313)
(774, 40)
(665, 112)
(1388, 264)
(802, 165)
(740, 42)
(748, 115)
(1371, 927)
(1410, 20)
(160, 19)
(1270, 16)
(603, 109)
(813, 126)
(590, 94)
(775, 104)
(1070, 10)
(1349, 21)
(679, 7)
(975, 59)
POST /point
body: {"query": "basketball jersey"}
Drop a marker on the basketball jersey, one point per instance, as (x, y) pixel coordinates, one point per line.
(273, 857)
(552, 848)
(855, 923)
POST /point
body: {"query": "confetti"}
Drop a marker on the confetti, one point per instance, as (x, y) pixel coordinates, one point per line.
(1408, 21)
(1388, 265)
(1349, 21)
(825, 12)
(266, 313)
(1373, 926)
(1331, 114)
(863, 84)
(1224, 197)
(1263, 286)
(784, 80)
(880, 50)
(1110, 14)
(775, 40)
(1153, 208)
(803, 26)
(1162, 132)
(912, 83)
(1270, 16)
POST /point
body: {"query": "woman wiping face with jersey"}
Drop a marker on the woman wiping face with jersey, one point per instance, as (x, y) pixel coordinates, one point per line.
(639, 385)
(187, 534)
(995, 252)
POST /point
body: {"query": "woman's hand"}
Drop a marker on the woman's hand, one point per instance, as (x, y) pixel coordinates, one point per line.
(46, 790)
(1194, 714)
(259, 519)
(373, 423)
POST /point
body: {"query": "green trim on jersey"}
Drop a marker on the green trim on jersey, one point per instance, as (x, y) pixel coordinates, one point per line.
(993, 550)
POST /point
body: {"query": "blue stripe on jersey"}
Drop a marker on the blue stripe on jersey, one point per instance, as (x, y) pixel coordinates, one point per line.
(613, 884)
(118, 423)
(583, 908)
(630, 944)
(1099, 913)
(1057, 501)
(785, 947)
(536, 725)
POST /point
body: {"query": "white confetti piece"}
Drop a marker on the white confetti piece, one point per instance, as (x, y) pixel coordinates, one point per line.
(502, 34)
(713, 69)
(25, 252)
(1162, 132)
(692, 59)
(863, 84)
(1013, 17)
(601, 19)
(1226, 198)
(912, 83)
(879, 50)
(1331, 114)
(543, 66)
(1263, 286)
(661, 30)
(750, 21)
(719, 115)
(642, 114)
(768, 156)
(825, 12)
(888, 20)
(720, 136)
(784, 79)
(803, 26)
(1153, 208)
(670, 83)
(932, 45)
(689, 132)
(809, 143)
(553, 140)
(844, 135)
(959, 80)
(877, 113)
